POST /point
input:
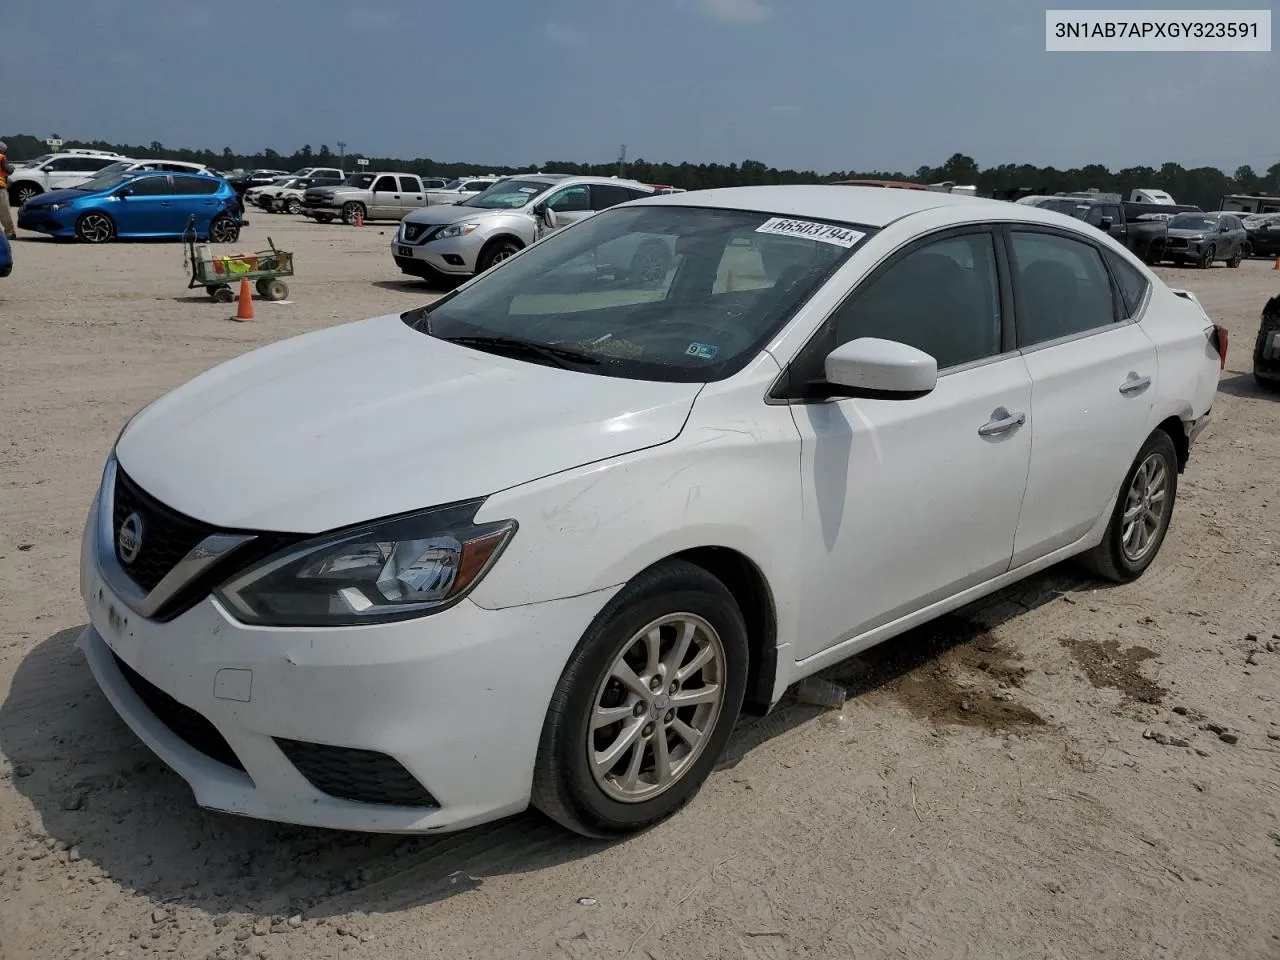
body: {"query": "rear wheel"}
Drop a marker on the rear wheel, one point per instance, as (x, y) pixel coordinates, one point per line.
(276, 290)
(223, 230)
(95, 227)
(645, 705)
(223, 294)
(1236, 258)
(1142, 513)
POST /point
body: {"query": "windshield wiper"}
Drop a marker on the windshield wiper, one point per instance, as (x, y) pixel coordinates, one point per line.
(558, 356)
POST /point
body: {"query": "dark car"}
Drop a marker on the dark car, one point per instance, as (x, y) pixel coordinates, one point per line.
(1264, 234)
(1202, 238)
(254, 178)
(1266, 350)
(6, 256)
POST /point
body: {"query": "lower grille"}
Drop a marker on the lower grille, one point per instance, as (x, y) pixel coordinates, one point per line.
(361, 775)
(189, 725)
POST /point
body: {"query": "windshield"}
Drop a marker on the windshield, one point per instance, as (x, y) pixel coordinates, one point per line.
(682, 294)
(1193, 221)
(361, 180)
(100, 182)
(508, 195)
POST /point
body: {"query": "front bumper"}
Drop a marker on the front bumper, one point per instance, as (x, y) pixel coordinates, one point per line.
(42, 220)
(451, 704)
(455, 257)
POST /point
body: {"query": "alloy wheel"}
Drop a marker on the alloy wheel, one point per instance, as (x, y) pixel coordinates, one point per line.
(95, 228)
(653, 714)
(1146, 503)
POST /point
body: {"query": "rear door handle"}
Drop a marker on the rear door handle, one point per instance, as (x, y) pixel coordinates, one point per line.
(1001, 422)
(1134, 385)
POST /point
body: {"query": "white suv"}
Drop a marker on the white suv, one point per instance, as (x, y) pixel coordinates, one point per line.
(57, 171)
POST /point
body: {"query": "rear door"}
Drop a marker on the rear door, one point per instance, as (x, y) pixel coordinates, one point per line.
(194, 197)
(1093, 374)
(384, 200)
(412, 195)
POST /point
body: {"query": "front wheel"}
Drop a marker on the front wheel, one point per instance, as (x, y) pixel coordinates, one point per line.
(495, 253)
(1206, 258)
(645, 706)
(223, 230)
(23, 192)
(1142, 513)
(293, 205)
(351, 210)
(95, 227)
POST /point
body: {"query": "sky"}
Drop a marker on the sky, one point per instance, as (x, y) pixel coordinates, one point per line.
(805, 84)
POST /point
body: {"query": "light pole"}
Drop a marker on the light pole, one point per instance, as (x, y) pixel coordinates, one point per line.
(342, 150)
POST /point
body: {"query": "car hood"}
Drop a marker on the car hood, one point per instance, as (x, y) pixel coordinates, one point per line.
(1186, 233)
(371, 419)
(450, 212)
(59, 196)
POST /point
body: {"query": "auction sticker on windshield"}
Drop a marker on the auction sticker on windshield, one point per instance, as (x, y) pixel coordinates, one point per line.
(811, 230)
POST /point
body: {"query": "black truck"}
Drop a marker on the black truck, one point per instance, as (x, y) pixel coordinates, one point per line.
(1142, 227)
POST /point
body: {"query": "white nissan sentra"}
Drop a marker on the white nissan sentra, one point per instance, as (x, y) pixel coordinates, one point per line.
(542, 541)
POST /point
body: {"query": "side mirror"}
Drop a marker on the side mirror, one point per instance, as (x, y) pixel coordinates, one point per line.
(123, 192)
(546, 215)
(1106, 223)
(880, 369)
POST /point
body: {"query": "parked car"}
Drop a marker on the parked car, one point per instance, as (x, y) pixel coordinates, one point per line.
(242, 182)
(137, 166)
(1263, 230)
(287, 198)
(252, 196)
(321, 173)
(372, 196)
(151, 205)
(627, 515)
(6, 256)
(1202, 238)
(454, 191)
(56, 171)
(1266, 348)
(465, 238)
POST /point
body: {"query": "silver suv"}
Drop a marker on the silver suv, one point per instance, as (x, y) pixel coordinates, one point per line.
(463, 239)
(374, 196)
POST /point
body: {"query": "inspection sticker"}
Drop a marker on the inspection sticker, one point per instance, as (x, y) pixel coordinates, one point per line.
(811, 230)
(703, 351)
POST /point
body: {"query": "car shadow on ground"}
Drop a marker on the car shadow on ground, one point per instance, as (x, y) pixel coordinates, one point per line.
(1246, 385)
(438, 287)
(98, 790)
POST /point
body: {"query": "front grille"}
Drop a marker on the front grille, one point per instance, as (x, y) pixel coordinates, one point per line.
(1177, 242)
(412, 231)
(167, 536)
(189, 725)
(360, 775)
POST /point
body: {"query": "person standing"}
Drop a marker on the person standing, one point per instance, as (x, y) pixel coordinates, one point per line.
(6, 216)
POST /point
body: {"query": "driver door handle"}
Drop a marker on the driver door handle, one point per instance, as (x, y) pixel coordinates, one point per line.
(1134, 385)
(1001, 422)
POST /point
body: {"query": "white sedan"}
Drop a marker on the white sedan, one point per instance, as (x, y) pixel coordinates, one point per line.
(544, 539)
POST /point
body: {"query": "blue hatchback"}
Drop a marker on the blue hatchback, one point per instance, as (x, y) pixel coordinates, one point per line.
(6, 256)
(149, 204)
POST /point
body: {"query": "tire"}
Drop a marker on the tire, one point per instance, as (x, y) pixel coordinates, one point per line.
(1235, 260)
(1110, 559)
(23, 192)
(649, 266)
(495, 253)
(1154, 256)
(223, 294)
(95, 227)
(261, 287)
(350, 209)
(1206, 258)
(276, 290)
(222, 229)
(293, 206)
(599, 802)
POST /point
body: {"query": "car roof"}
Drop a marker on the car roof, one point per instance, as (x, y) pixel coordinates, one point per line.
(871, 206)
(140, 174)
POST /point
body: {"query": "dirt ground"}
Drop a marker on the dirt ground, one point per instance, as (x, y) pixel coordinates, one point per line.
(1063, 771)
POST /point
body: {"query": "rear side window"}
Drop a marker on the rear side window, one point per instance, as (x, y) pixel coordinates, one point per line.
(194, 185)
(604, 196)
(409, 185)
(1133, 285)
(1064, 285)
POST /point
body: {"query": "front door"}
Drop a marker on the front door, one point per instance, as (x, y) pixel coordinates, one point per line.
(384, 201)
(908, 502)
(147, 207)
(1095, 376)
(570, 204)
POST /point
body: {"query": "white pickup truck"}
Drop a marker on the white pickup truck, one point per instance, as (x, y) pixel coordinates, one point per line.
(455, 191)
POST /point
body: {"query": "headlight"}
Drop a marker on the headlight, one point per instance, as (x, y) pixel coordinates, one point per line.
(456, 230)
(394, 569)
(59, 206)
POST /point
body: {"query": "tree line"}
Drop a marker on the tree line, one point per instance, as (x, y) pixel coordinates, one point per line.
(1202, 186)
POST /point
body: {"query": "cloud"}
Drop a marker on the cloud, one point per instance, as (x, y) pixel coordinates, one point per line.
(736, 11)
(563, 35)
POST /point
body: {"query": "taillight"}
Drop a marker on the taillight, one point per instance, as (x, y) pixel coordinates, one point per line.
(1219, 339)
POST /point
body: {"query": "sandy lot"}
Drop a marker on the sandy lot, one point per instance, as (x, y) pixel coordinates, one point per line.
(986, 792)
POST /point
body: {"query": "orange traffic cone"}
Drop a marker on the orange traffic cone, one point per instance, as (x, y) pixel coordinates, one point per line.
(359, 218)
(1277, 266)
(245, 309)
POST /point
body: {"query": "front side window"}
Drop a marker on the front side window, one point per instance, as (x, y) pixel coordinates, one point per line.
(151, 187)
(385, 185)
(942, 298)
(571, 199)
(651, 293)
(361, 181)
(1065, 287)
